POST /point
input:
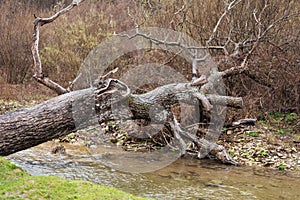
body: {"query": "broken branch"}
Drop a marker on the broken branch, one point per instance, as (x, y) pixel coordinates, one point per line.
(39, 76)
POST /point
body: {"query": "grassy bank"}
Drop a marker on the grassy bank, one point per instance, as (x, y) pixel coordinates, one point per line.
(15, 183)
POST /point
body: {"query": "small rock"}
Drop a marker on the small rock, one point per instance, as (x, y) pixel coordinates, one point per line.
(58, 149)
(280, 154)
(214, 183)
(73, 140)
(274, 184)
(218, 182)
(259, 186)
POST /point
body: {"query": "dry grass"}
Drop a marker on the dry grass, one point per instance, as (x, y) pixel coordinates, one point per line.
(15, 40)
(25, 92)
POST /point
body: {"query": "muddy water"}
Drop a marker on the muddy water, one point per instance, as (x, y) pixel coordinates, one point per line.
(183, 179)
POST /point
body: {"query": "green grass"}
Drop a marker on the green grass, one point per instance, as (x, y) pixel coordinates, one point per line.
(15, 183)
(280, 132)
(282, 166)
(291, 118)
(253, 133)
(263, 153)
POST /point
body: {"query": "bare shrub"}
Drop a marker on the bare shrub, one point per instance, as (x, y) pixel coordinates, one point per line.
(74, 35)
(272, 81)
(15, 41)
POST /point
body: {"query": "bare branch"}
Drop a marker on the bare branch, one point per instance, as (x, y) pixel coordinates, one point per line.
(277, 22)
(182, 8)
(102, 78)
(226, 10)
(165, 42)
(172, 58)
(71, 84)
(114, 83)
(196, 60)
(44, 21)
(204, 101)
(199, 81)
(39, 76)
(177, 131)
(235, 102)
(260, 37)
(203, 145)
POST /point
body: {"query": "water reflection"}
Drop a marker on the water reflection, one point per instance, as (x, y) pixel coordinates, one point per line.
(183, 179)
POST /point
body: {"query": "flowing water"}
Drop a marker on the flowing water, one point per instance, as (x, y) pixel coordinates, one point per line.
(182, 179)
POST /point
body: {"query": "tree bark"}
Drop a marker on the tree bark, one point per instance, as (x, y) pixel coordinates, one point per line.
(26, 128)
(69, 112)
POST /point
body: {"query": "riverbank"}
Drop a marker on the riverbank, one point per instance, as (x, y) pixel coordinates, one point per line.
(15, 183)
(270, 143)
(273, 142)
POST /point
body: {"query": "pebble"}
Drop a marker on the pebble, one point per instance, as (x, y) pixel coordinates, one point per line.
(279, 154)
(294, 149)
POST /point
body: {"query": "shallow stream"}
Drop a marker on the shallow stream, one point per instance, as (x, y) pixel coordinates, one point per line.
(182, 179)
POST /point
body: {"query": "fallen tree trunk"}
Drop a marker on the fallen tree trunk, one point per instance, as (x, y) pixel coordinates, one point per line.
(69, 112)
(110, 99)
(29, 127)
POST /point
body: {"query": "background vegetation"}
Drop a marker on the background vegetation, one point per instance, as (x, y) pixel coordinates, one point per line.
(272, 83)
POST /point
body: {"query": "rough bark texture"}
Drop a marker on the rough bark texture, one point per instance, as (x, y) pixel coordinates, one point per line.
(29, 127)
(66, 113)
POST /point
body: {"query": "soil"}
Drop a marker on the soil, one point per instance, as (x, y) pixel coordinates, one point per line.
(263, 145)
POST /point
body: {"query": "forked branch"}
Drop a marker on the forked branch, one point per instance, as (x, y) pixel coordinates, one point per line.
(39, 76)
